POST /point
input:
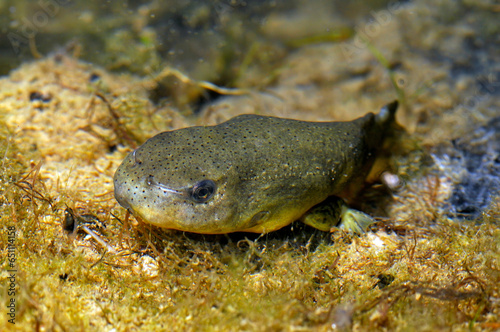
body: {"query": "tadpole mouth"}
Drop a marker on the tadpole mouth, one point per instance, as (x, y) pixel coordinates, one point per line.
(121, 197)
(150, 181)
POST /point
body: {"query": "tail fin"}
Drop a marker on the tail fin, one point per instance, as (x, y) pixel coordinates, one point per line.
(380, 126)
(387, 114)
(384, 138)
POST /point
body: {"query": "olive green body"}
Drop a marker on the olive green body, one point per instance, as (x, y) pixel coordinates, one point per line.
(267, 171)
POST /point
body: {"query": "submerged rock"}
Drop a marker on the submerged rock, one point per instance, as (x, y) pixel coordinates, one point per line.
(473, 161)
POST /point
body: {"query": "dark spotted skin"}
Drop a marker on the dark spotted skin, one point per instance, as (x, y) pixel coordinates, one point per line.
(252, 173)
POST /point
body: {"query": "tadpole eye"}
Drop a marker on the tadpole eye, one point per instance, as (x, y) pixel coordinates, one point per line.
(203, 191)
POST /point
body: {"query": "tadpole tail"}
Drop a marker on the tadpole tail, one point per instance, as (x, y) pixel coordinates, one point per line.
(380, 128)
(387, 114)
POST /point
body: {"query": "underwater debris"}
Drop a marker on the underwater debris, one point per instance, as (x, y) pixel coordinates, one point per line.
(86, 223)
(72, 222)
(384, 280)
(94, 77)
(45, 98)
